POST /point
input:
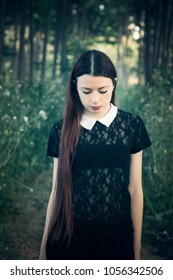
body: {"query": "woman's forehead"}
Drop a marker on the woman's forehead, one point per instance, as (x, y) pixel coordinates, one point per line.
(90, 81)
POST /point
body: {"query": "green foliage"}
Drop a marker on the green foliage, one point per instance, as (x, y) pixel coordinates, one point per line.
(160, 110)
(26, 114)
(154, 104)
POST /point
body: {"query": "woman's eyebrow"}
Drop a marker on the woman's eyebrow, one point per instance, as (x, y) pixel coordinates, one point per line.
(91, 89)
(86, 88)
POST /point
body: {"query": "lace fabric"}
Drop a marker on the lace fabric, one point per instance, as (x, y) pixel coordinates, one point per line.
(100, 167)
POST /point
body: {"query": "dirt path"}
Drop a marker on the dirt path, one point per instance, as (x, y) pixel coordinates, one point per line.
(23, 222)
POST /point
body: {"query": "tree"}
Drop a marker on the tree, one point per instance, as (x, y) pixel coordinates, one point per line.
(65, 10)
(147, 43)
(58, 31)
(31, 36)
(157, 39)
(21, 58)
(47, 24)
(2, 16)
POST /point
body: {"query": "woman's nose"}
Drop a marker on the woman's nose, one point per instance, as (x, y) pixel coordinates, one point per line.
(95, 97)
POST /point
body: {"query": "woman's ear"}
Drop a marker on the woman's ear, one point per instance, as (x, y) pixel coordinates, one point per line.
(114, 81)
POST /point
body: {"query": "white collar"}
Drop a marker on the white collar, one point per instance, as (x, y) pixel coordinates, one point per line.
(106, 120)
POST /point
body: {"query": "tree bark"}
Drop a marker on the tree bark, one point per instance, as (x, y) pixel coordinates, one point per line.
(2, 16)
(168, 34)
(46, 40)
(57, 36)
(140, 61)
(15, 32)
(31, 35)
(20, 75)
(156, 42)
(63, 62)
(147, 40)
(164, 31)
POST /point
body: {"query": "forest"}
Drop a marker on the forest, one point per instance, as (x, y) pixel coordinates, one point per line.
(39, 43)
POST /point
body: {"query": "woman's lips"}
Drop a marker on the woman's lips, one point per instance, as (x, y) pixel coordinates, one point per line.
(96, 108)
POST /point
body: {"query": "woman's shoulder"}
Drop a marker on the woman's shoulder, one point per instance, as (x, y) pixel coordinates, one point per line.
(54, 138)
(57, 125)
(128, 116)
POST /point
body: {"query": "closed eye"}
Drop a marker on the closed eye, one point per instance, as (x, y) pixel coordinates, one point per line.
(102, 92)
(86, 92)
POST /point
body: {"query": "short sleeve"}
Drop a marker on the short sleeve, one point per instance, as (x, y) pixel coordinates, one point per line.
(54, 140)
(141, 139)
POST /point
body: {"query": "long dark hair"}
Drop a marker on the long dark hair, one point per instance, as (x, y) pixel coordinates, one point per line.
(94, 63)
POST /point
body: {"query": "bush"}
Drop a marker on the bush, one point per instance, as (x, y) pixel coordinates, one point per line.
(154, 103)
(26, 115)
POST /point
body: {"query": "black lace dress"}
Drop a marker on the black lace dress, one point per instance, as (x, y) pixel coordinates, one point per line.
(101, 200)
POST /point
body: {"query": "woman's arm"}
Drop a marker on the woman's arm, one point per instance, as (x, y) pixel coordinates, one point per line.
(48, 214)
(135, 189)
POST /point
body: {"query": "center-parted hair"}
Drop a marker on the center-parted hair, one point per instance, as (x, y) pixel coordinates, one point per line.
(94, 63)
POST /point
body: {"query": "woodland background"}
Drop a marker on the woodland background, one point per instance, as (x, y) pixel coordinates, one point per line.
(39, 42)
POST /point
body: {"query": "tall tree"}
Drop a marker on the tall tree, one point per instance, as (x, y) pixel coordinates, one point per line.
(147, 43)
(123, 19)
(63, 62)
(15, 38)
(31, 36)
(157, 33)
(157, 39)
(168, 35)
(58, 35)
(47, 25)
(2, 16)
(23, 7)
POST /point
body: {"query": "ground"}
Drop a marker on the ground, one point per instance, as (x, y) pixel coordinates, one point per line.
(23, 221)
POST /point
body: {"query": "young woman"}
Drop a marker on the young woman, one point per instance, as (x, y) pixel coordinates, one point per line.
(95, 208)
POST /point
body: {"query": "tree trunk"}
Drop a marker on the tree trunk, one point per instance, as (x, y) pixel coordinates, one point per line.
(156, 43)
(82, 25)
(164, 31)
(118, 46)
(38, 46)
(63, 61)
(20, 75)
(138, 19)
(147, 39)
(124, 64)
(57, 36)
(170, 38)
(45, 41)
(159, 41)
(2, 16)
(31, 35)
(15, 32)
(168, 34)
